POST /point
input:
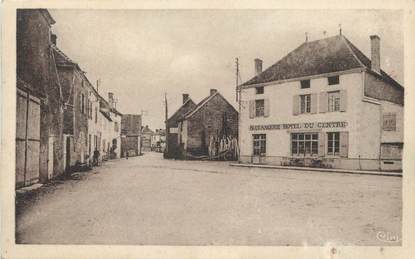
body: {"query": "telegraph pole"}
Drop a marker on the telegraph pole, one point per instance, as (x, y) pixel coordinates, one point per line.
(238, 98)
(165, 121)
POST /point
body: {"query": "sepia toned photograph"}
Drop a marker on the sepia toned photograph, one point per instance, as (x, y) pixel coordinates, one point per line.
(211, 127)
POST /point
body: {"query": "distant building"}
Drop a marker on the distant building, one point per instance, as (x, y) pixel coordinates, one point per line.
(146, 135)
(173, 149)
(39, 116)
(158, 140)
(130, 135)
(325, 104)
(210, 130)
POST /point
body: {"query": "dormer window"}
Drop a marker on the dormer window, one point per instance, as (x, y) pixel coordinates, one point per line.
(259, 90)
(305, 84)
(333, 80)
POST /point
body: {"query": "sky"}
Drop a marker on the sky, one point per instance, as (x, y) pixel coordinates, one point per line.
(141, 55)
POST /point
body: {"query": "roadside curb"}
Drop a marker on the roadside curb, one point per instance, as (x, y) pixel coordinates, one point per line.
(396, 174)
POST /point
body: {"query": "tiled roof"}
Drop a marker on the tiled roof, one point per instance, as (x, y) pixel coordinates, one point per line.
(189, 105)
(333, 54)
(199, 105)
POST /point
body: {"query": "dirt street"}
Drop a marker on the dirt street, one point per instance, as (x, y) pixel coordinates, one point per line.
(150, 201)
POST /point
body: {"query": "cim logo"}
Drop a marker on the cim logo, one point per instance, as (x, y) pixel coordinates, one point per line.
(386, 236)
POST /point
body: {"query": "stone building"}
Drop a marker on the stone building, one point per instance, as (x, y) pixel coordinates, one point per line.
(325, 104)
(146, 135)
(172, 144)
(39, 116)
(111, 128)
(158, 140)
(210, 130)
(75, 92)
(130, 135)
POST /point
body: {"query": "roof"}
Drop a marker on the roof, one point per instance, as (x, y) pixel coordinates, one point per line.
(189, 105)
(47, 16)
(332, 54)
(203, 102)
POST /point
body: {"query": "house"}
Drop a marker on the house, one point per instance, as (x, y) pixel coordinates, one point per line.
(39, 140)
(130, 135)
(158, 140)
(172, 144)
(325, 104)
(95, 118)
(75, 92)
(146, 135)
(210, 130)
(111, 128)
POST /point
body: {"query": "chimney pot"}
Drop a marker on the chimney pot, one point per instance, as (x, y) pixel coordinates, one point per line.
(375, 53)
(53, 38)
(185, 97)
(258, 66)
(213, 91)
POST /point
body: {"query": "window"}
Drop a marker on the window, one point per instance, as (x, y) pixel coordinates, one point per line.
(333, 143)
(82, 103)
(116, 126)
(305, 84)
(333, 80)
(96, 115)
(304, 144)
(259, 90)
(389, 122)
(260, 144)
(95, 142)
(305, 103)
(259, 108)
(334, 101)
(89, 144)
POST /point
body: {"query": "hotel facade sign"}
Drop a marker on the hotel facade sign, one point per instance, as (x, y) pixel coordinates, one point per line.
(306, 125)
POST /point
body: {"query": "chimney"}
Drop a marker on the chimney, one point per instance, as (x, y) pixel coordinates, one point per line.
(375, 53)
(111, 99)
(213, 91)
(185, 97)
(53, 38)
(258, 66)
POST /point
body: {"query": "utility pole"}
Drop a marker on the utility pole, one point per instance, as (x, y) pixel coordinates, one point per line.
(98, 81)
(165, 121)
(238, 98)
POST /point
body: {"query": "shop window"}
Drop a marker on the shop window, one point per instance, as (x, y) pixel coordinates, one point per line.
(303, 144)
(333, 143)
(305, 84)
(259, 90)
(259, 108)
(389, 122)
(305, 103)
(333, 80)
(260, 144)
(333, 101)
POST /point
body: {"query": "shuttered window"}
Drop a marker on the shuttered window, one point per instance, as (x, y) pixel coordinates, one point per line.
(305, 103)
(260, 144)
(333, 101)
(304, 144)
(259, 108)
(333, 143)
(338, 143)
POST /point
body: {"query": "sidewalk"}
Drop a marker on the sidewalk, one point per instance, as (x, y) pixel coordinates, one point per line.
(332, 170)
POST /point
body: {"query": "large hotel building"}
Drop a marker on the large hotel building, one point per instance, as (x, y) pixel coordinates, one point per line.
(325, 104)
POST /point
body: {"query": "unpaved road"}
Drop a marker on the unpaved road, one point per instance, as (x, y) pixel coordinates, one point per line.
(150, 201)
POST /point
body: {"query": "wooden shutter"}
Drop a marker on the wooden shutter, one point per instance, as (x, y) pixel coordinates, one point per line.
(344, 144)
(321, 144)
(323, 107)
(266, 108)
(313, 108)
(252, 109)
(296, 104)
(343, 100)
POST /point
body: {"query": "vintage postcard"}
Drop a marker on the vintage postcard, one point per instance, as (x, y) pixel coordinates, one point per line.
(178, 130)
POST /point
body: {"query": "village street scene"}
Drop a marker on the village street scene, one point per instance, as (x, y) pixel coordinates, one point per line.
(159, 137)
